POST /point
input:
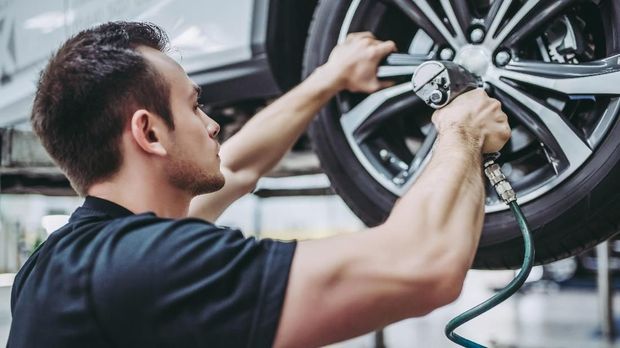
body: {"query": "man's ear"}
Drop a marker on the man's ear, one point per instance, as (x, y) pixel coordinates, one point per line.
(148, 130)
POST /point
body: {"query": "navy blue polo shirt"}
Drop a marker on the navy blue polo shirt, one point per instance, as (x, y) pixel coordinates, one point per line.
(110, 278)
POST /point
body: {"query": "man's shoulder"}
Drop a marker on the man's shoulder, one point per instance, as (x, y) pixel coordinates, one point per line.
(160, 232)
(189, 270)
(144, 243)
(150, 221)
(145, 238)
(133, 228)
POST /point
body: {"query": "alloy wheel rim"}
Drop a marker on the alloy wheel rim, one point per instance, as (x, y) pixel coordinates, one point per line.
(564, 149)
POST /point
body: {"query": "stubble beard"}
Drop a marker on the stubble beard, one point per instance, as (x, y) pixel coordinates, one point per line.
(188, 176)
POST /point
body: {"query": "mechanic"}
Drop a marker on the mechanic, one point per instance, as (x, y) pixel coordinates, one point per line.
(131, 269)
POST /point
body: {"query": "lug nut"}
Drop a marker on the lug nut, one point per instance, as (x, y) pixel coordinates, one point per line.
(446, 54)
(401, 178)
(384, 154)
(476, 35)
(502, 58)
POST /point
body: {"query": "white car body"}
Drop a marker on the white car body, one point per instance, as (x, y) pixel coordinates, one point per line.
(203, 35)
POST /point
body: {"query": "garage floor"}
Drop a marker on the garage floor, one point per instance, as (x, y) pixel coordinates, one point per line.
(538, 319)
(544, 317)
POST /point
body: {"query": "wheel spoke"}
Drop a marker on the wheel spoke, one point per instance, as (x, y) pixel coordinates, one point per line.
(405, 59)
(574, 149)
(553, 70)
(531, 123)
(355, 117)
(404, 102)
(462, 13)
(414, 13)
(599, 77)
(400, 64)
(492, 14)
(424, 154)
(386, 71)
(496, 15)
(455, 41)
(493, 40)
(421, 13)
(544, 14)
(448, 7)
(424, 150)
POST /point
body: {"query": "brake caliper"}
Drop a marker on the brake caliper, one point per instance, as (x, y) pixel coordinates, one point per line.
(564, 41)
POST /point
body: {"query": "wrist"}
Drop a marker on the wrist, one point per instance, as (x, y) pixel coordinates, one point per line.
(329, 78)
(459, 136)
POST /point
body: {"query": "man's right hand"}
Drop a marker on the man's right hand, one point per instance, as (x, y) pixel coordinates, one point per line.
(476, 116)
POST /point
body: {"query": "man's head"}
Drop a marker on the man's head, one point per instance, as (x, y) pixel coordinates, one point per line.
(114, 80)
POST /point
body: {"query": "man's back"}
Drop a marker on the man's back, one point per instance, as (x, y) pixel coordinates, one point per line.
(112, 278)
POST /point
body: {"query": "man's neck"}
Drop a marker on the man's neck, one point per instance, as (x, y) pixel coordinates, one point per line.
(143, 196)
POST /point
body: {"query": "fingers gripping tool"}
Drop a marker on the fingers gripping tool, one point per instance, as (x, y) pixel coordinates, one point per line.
(437, 83)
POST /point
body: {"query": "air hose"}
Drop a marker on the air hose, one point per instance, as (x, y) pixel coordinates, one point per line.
(507, 195)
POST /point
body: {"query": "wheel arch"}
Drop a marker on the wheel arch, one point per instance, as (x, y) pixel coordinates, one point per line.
(285, 39)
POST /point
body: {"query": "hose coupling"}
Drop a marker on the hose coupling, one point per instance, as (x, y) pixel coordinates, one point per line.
(498, 180)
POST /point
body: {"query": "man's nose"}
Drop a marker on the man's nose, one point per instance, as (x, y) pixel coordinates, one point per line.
(213, 128)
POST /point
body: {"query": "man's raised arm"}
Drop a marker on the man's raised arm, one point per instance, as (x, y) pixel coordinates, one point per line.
(266, 138)
(416, 261)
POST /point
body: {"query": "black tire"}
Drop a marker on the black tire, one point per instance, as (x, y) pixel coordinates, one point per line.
(576, 215)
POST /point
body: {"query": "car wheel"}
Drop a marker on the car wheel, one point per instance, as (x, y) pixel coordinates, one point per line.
(555, 67)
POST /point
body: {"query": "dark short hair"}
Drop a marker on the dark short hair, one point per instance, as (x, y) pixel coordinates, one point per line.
(88, 92)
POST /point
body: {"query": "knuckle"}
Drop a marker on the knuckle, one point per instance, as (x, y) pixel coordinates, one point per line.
(376, 51)
(368, 54)
(506, 133)
(387, 45)
(367, 33)
(367, 40)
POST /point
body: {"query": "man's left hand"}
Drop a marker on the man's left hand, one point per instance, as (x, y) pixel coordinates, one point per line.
(354, 62)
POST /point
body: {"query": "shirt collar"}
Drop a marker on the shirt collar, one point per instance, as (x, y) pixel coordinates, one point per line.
(105, 207)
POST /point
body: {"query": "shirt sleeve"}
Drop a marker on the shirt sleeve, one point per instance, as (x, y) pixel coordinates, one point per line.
(187, 283)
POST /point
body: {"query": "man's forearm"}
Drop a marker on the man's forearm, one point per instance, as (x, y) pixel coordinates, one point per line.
(448, 201)
(413, 263)
(266, 138)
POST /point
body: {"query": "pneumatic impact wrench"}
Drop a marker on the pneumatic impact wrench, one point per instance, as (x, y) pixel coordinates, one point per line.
(437, 84)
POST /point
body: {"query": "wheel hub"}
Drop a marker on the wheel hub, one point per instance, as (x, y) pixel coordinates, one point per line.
(474, 58)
